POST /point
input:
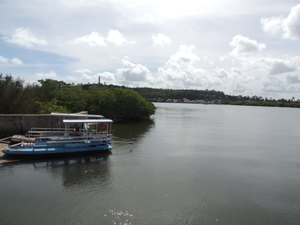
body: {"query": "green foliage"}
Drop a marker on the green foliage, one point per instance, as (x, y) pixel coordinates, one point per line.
(57, 96)
(119, 103)
(13, 95)
(49, 89)
(216, 97)
(115, 102)
(165, 94)
(72, 97)
(51, 106)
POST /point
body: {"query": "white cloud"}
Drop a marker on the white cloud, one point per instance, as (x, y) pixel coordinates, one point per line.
(272, 25)
(87, 76)
(92, 39)
(16, 61)
(130, 74)
(160, 40)
(10, 61)
(280, 66)
(186, 69)
(133, 72)
(107, 77)
(24, 37)
(222, 73)
(49, 75)
(293, 79)
(282, 88)
(3, 60)
(185, 57)
(288, 27)
(155, 59)
(183, 70)
(292, 23)
(243, 75)
(116, 37)
(243, 45)
(83, 71)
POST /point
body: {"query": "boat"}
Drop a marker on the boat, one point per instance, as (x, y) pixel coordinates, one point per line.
(81, 134)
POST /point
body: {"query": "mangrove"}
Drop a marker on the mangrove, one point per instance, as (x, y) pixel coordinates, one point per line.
(46, 96)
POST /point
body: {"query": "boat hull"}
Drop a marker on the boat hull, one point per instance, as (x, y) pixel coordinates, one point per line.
(49, 150)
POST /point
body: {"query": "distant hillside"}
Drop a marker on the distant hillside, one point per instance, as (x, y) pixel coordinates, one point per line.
(155, 94)
(211, 97)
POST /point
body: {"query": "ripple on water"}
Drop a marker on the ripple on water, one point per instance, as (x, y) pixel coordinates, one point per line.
(119, 217)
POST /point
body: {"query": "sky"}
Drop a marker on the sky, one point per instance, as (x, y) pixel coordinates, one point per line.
(236, 46)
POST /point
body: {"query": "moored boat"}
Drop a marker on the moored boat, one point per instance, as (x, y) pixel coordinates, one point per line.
(81, 134)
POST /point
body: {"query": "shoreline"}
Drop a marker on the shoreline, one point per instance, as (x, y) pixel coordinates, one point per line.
(4, 160)
(2, 147)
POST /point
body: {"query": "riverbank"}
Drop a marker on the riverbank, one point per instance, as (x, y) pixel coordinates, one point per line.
(2, 146)
(4, 159)
(2, 156)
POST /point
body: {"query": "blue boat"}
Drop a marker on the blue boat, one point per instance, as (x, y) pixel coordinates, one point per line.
(78, 136)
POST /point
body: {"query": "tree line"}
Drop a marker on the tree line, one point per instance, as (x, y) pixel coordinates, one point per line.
(165, 94)
(117, 103)
(212, 96)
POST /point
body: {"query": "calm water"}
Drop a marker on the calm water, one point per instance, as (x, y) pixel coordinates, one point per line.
(194, 164)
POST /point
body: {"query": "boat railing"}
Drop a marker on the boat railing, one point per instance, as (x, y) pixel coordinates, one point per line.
(58, 139)
(89, 135)
(39, 132)
(44, 132)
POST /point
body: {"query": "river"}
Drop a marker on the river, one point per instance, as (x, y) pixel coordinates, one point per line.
(192, 164)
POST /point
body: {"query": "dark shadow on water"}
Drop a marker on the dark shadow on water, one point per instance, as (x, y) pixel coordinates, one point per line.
(85, 171)
(132, 130)
(81, 170)
(126, 136)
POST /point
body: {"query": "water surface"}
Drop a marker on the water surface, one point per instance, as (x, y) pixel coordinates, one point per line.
(192, 164)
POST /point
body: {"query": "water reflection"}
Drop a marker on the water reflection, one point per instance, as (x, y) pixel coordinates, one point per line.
(77, 170)
(126, 136)
(132, 130)
(85, 171)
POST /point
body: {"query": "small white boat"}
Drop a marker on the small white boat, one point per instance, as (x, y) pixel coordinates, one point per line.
(81, 134)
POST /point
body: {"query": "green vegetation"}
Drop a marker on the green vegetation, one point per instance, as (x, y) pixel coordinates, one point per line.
(115, 102)
(259, 101)
(155, 94)
(211, 96)
(118, 103)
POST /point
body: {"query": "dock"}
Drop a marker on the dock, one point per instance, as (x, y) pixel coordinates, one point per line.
(2, 146)
(4, 142)
(3, 159)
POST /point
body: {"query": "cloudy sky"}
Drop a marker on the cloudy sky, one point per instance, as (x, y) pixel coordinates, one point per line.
(236, 46)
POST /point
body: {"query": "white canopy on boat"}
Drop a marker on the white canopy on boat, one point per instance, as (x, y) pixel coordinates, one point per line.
(76, 115)
(88, 121)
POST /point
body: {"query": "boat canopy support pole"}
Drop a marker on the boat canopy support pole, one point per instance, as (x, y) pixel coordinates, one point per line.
(51, 123)
(66, 129)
